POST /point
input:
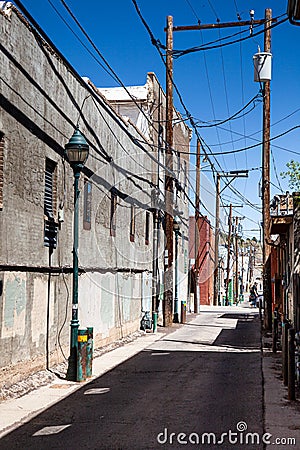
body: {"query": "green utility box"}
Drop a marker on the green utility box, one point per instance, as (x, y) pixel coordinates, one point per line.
(85, 353)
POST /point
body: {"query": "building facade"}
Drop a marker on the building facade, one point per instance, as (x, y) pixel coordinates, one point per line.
(43, 100)
(285, 268)
(202, 252)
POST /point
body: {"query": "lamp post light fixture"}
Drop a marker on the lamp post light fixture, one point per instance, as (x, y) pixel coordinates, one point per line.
(76, 152)
(176, 228)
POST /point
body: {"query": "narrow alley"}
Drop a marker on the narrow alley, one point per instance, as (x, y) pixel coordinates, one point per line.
(204, 380)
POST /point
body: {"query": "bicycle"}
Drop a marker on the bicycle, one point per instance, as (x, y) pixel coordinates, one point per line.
(146, 321)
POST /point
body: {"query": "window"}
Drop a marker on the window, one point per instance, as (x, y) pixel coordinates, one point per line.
(113, 211)
(184, 177)
(50, 189)
(147, 228)
(87, 205)
(50, 201)
(1, 168)
(132, 223)
(178, 163)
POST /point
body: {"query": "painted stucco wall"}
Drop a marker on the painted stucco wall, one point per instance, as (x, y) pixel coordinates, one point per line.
(41, 101)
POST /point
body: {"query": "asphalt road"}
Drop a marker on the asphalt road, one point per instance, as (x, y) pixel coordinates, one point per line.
(183, 384)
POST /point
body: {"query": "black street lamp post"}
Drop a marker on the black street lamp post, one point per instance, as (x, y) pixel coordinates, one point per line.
(76, 151)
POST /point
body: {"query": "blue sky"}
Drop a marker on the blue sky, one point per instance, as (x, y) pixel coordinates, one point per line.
(214, 84)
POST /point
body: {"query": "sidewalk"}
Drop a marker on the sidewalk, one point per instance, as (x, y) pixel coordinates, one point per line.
(282, 418)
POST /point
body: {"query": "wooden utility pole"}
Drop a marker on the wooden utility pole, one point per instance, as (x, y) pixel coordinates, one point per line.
(266, 182)
(228, 254)
(169, 188)
(197, 228)
(217, 232)
(236, 251)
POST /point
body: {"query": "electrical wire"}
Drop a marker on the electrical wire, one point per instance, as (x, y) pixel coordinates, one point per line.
(96, 49)
(213, 10)
(211, 96)
(275, 171)
(37, 29)
(233, 116)
(150, 122)
(80, 40)
(251, 146)
(226, 97)
(178, 53)
(193, 10)
(192, 122)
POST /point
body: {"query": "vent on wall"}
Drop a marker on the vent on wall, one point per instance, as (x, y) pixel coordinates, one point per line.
(50, 201)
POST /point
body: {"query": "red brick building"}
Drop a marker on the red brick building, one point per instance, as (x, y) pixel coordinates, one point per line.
(205, 258)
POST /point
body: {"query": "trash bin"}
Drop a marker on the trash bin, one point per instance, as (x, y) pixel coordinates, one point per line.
(154, 321)
(89, 352)
(82, 341)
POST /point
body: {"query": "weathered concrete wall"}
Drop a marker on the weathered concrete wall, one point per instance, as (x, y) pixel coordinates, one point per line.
(41, 101)
(152, 100)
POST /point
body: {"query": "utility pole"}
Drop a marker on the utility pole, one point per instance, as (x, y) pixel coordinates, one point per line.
(236, 251)
(228, 254)
(266, 182)
(169, 187)
(197, 228)
(156, 221)
(242, 272)
(217, 231)
(232, 175)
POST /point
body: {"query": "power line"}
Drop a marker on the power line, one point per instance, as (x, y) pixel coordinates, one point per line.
(37, 29)
(188, 114)
(235, 115)
(80, 40)
(226, 96)
(213, 10)
(193, 10)
(250, 136)
(275, 171)
(252, 146)
(178, 53)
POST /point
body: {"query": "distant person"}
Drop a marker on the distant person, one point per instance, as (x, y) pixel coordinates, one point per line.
(253, 295)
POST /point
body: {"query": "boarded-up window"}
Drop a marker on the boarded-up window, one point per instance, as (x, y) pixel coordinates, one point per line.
(1, 168)
(147, 228)
(132, 223)
(87, 205)
(113, 212)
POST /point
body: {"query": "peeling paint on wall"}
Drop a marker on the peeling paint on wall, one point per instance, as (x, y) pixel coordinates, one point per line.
(14, 298)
